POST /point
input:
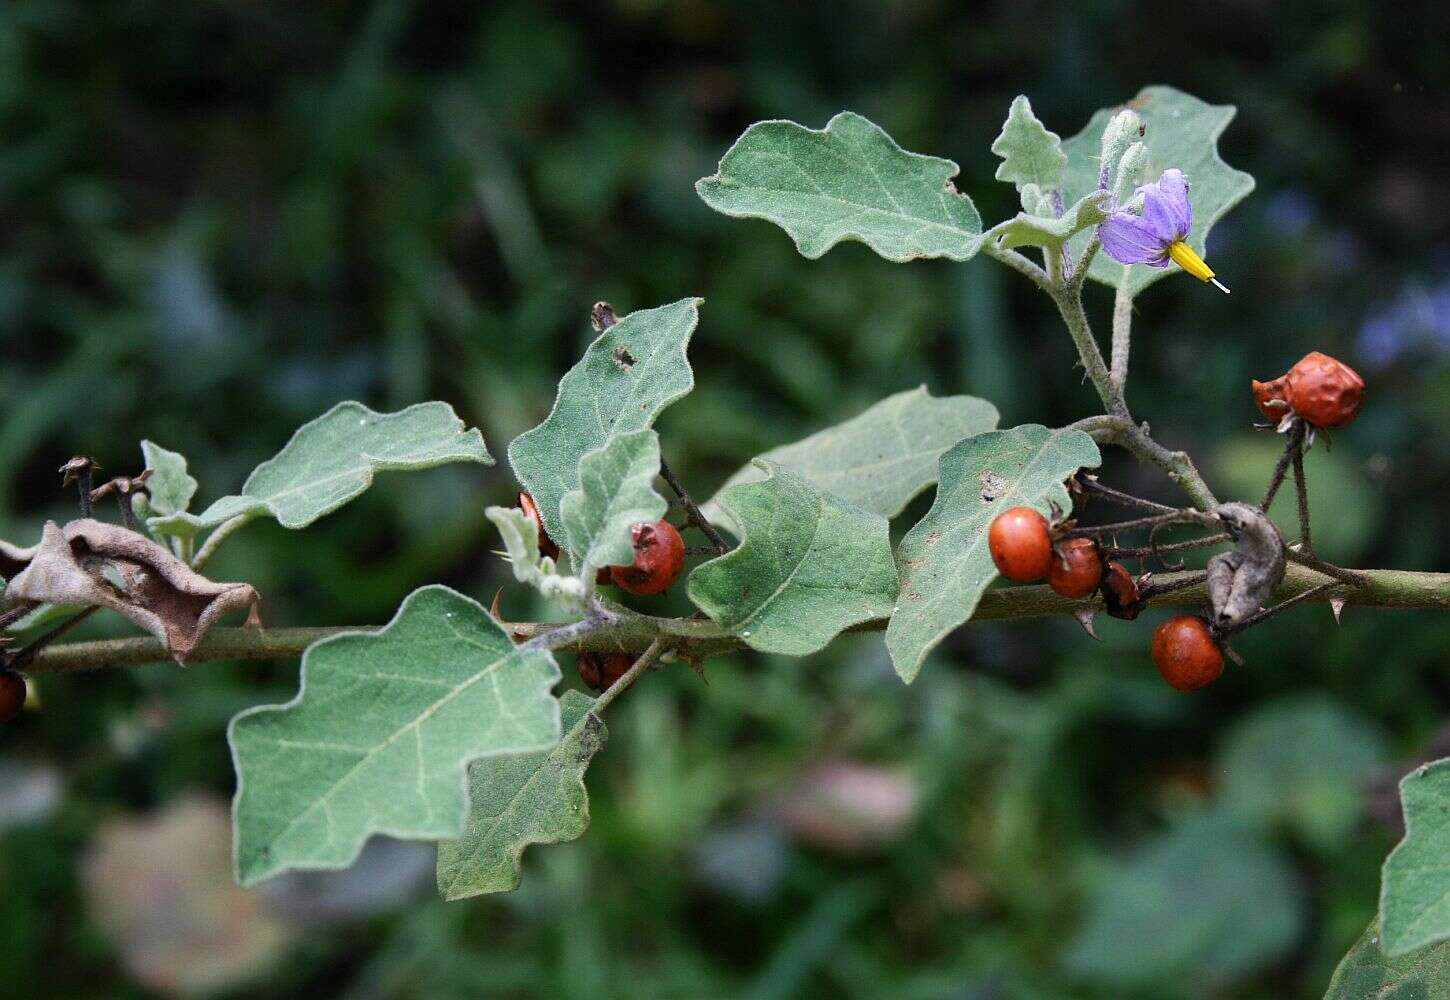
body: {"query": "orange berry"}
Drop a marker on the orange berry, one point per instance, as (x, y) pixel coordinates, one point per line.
(1077, 568)
(659, 557)
(1020, 544)
(1120, 593)
(1325, 391)
(1186, 653)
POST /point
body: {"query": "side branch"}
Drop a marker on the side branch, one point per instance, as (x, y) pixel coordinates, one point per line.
(690, 638)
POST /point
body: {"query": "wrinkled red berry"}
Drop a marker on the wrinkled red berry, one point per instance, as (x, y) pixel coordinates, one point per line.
(12, 694)
(1077, 567)
(1270, 398)
(1020, 544)
(1324, 391)
(1121, 598)
(659, 557)
(531, 510)
(599, 671)
(1186, 653)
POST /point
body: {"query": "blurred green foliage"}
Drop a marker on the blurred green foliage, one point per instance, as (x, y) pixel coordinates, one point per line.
(222, 217)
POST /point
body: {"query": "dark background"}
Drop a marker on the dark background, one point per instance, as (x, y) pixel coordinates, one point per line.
(219, 218)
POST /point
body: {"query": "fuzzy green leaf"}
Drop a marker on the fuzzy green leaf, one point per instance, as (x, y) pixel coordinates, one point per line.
(1205, 901)
(848, 181)
(1027, 229)
(381, 733)
(616, 492)
(1415, 890)
(333, 459)
(520, 536)
(945, 564)
(1182, 132)
(1366, 973)
(626, 378)
(809, 566)
(1030, 153)
(883, 457)
(536, 798)
(171, 487)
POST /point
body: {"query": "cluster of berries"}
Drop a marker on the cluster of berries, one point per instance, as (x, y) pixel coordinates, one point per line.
(1027, 549)
(659, 558)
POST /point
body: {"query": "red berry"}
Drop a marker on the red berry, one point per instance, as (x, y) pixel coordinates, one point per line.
(600, 671)
(1020, 544)
(659, 556)
(1077, 568)
(1324, 391)
(1270, 398)
(12, 694)
(1187, 655)
(531, 510)
(1121, 598)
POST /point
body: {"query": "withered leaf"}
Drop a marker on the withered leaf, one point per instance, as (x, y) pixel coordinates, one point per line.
(91, 563)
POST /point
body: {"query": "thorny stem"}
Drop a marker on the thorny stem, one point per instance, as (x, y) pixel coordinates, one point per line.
(1267, 613)
(1355, 578)
(1187, 516)
(22, 657)
(1182, 582)
(692, 510)
(645, 661)
(1382, 588)
(1301, 486)
(1093, 485)
(1294, 443)
(1153, 550)
(1122, 333)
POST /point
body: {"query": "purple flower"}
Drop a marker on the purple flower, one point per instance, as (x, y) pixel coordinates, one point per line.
(1159, 235)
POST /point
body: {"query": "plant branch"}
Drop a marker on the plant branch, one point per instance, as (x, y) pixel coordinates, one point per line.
(219, 534)
(1070, 306)
(692, 510)
(694, 638)
(645, 661)
(1018, 263)
(1124, 433)
(1122, 333)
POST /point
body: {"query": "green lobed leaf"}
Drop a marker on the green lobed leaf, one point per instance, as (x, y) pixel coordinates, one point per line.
(1415, 890)
(334, 458)
(520, 536)
(1366, 973)
(171, 487)
(848, 181)
(626, 378)
(381, 732)
(536, 798)
(881, 458)
(1182, 132)
(809, 566)
(1030, 153)
(1204, 901)
(1035, 230)
(616, 492)
(1302, 761)
(945, 564)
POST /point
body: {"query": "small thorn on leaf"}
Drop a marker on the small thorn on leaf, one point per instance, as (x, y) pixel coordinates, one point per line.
(1085, 618)
(1336, 604)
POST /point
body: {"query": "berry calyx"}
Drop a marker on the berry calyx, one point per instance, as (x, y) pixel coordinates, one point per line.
(600, 670)
(1021, 544)
(1187, 654)
(1325, 391)
(1077, 567)
(531, 511)
(659, 557)
(1121, 597)
(12, 694)
(1269, 396)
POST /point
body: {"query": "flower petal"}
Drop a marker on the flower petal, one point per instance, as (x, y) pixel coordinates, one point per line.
(1129, 239)
(1166, 206)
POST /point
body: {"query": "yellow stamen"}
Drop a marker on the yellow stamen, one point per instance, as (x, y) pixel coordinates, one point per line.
(1184, 256)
